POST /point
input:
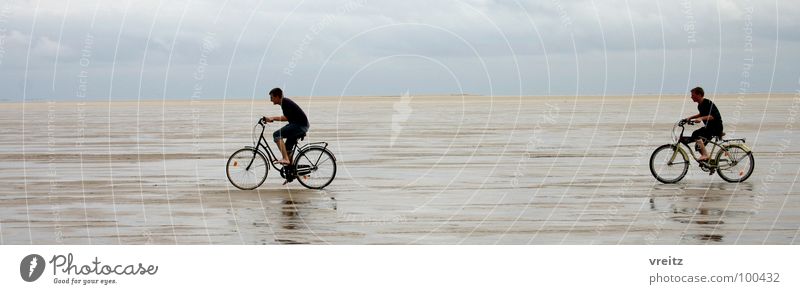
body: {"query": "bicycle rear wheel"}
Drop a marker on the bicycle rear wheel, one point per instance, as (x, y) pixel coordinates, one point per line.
(315, 167)
(735, 164)
(668, 165)
(247, 169)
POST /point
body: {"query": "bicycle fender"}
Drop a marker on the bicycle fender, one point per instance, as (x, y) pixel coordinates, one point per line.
(309, 146)
(679, 148)
(740, 145)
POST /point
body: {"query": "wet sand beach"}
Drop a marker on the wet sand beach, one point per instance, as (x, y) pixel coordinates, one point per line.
(411, 170)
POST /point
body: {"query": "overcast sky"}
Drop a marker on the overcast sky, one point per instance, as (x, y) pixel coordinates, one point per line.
(151, 49)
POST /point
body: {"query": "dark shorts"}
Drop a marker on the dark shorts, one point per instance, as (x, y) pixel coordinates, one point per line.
(706, 132)
(290, 132)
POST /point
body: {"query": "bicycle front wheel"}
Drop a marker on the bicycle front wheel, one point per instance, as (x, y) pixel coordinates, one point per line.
(668, 165)
(735, 164)
(247, 169)
(315, 167)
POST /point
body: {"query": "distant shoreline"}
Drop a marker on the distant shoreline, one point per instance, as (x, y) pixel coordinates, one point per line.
(377, 97)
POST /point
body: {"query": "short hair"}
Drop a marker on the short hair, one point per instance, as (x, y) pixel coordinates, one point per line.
(696, 90)
(276, 92)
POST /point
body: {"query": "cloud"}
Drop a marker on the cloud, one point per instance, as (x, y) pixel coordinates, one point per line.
(515, 43)
(45, 47)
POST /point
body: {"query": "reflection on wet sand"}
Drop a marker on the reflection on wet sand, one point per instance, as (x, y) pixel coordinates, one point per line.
(453, 170)
(705, 211)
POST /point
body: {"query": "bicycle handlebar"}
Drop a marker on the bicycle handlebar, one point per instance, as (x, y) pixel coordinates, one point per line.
(262, 121)
(686, 121)
(255, 134)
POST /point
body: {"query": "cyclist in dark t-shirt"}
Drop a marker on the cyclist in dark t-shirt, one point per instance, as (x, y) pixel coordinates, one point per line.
(296, 128)
(708, 113)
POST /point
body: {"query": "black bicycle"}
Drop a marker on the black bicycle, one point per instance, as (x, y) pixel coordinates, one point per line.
(314, 165)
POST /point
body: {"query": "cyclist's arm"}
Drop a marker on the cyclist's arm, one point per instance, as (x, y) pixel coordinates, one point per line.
(699, 118)
(706, 118)
(275, 118)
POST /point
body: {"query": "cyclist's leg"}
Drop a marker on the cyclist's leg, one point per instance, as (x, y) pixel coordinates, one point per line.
(301, 132)
(290, 132)
(290, 142)
(278, 137)
(289, 167)
(698, 136)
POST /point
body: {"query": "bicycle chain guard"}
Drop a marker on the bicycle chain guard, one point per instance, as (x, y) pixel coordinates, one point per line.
(300, 170)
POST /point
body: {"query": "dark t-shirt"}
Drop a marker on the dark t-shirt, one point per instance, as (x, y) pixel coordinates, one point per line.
(709, 108)
(293, 113)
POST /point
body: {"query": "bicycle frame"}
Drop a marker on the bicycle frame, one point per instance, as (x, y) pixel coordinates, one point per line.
(262, 143)
(715, 144)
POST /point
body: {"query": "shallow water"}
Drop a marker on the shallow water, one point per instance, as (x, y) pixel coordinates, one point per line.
(424, 170)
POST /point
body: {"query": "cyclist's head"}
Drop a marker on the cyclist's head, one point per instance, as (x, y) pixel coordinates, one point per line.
(697, 94)
(276, 95)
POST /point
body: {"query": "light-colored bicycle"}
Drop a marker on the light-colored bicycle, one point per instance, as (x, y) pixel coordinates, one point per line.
(732, 159)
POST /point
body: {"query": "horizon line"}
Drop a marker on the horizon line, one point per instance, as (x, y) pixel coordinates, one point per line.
(447, 95)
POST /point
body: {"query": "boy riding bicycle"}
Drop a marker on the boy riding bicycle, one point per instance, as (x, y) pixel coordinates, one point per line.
(709, 115)
(296, 128)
